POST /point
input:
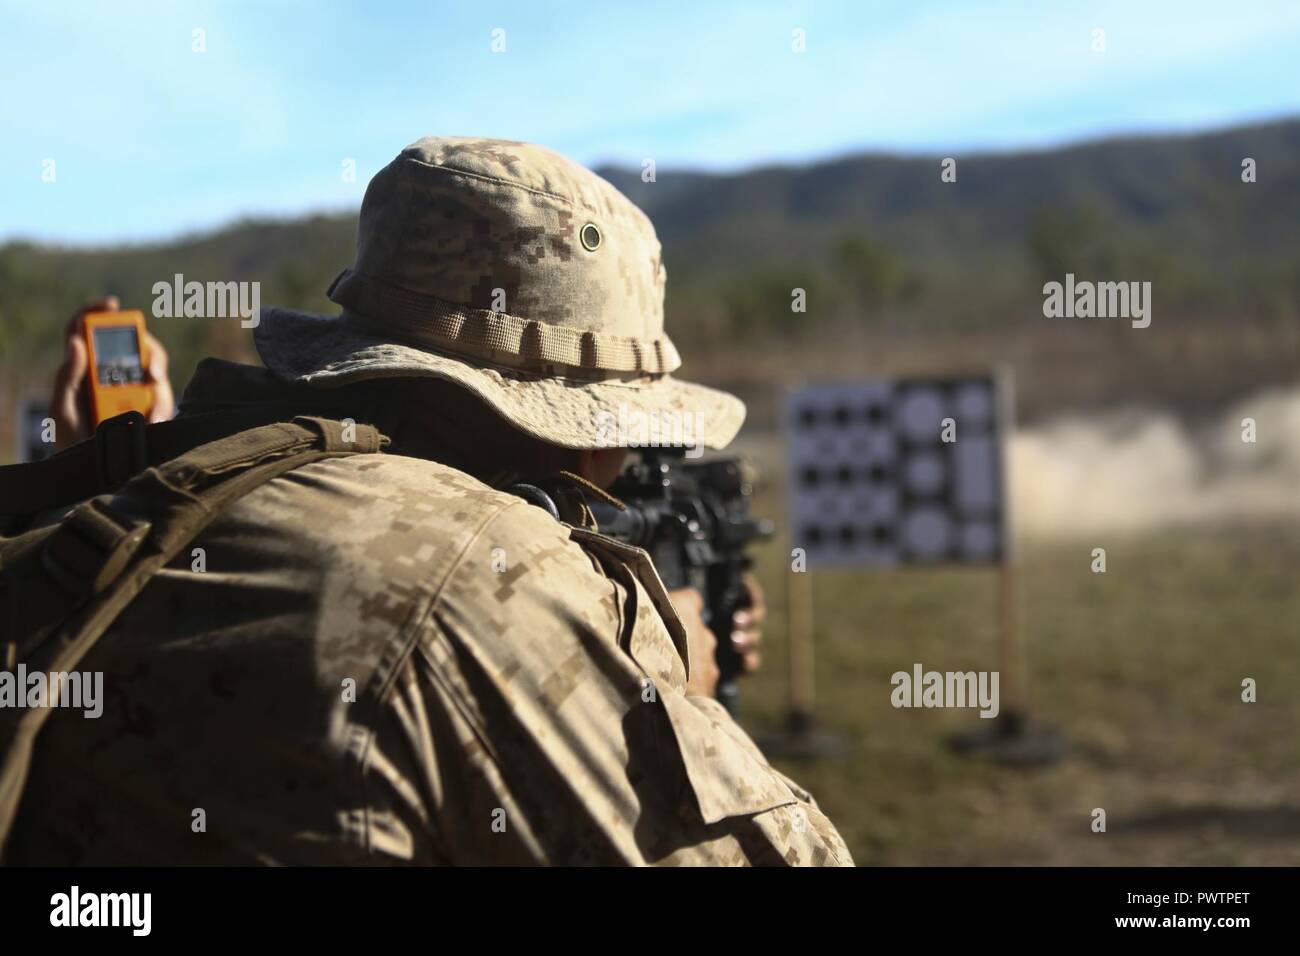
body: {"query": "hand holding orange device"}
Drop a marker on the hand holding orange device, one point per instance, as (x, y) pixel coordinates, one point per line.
(82, 397)
(117, 351)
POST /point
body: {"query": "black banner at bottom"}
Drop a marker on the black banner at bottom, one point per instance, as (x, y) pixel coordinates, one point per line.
(336, 905)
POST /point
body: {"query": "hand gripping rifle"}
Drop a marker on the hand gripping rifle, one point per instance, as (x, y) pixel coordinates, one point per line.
(693, 518)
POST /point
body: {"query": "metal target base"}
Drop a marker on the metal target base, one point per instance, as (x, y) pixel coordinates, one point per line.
(1011, 740)
(802, 740)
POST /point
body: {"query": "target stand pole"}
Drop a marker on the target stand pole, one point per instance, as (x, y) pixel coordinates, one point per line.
(1014, 690)
(1011, 649)
(1011, 739)
(799, 632)
(801, 738)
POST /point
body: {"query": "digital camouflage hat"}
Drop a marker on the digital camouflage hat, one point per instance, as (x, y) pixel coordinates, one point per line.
(522, 276)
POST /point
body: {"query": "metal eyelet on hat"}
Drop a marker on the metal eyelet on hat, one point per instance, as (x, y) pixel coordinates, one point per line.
(590, 237)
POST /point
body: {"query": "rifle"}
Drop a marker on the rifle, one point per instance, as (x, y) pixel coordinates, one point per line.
(693, 518)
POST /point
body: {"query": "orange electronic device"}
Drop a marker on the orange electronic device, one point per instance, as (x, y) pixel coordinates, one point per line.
(118, 353)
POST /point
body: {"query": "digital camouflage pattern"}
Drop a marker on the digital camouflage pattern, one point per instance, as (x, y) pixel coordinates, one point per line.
(472, 267)
(454, 219)
(518, 698)
(385, 660)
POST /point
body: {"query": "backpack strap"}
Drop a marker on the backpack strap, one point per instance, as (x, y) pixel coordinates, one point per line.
(120, 449)
(61, 587)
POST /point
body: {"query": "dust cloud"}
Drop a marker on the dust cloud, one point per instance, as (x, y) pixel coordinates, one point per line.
(1142, 469)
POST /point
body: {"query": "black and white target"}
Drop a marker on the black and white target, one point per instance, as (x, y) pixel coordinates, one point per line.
(896, 472)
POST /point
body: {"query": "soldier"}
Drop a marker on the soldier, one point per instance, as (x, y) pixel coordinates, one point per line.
(378, 655)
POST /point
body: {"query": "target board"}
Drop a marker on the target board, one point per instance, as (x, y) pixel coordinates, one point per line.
(30, 431)
(890, 472)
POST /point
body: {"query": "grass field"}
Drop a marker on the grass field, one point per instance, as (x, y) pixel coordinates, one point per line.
(1139, 668)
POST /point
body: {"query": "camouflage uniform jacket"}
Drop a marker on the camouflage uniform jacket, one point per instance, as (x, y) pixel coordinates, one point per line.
(387, 661)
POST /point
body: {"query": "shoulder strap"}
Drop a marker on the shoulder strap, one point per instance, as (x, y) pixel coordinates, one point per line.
(82, 572)
(121, 448)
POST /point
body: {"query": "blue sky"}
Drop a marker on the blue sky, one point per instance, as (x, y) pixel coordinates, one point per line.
(151, 139)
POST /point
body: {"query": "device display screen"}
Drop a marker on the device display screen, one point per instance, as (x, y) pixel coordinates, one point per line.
(117, 356)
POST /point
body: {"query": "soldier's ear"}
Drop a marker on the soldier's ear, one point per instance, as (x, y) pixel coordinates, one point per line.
(602, 465)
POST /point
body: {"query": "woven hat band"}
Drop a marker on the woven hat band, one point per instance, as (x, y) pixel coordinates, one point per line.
(496, 337)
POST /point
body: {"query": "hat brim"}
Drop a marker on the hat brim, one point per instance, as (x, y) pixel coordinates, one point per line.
(327, 352)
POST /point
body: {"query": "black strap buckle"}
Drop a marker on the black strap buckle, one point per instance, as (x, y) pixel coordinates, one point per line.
(122, 449)
(535, 496)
